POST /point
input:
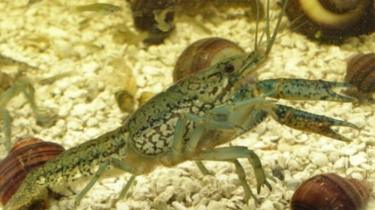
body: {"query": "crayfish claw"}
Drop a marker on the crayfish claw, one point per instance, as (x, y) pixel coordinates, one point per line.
(306, 121)
(303, 89)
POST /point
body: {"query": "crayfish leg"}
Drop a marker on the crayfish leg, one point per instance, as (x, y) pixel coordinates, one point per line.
(203, 168)
(119, 164)
(306, 121)
(116, 163)
(302, 89)
(5, 116)
(126, 188)
(231, 154)
(94, 179)
(242, 177)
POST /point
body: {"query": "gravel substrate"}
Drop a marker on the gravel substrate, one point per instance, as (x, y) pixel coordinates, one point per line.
(55, 37)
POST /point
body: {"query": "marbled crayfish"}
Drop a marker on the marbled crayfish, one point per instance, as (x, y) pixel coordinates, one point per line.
(187, 121)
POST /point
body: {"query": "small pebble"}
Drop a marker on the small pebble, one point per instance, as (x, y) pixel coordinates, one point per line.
(357, 175)
(358, 159)
(341, 163)
(178, 206)
(121, 205)
(348, 150)
(267, 205)
(79, 110)
(319, 159)
(74, 125)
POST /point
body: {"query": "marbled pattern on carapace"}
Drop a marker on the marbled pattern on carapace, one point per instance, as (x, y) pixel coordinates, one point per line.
(152, 127)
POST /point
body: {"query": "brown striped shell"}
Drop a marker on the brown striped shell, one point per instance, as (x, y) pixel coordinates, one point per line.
(26, 154)
(202, 54)
(330, 191)
(331, 20)
(360, 72)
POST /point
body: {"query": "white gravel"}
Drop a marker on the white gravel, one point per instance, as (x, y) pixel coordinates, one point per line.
(54, 37)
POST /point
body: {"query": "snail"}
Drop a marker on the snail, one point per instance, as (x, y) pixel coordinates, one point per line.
(330, 191)
(125, 101)
(331, 20)
(26, 154)
(360, 72)
(204, 53)
(193, 7)
(144, 97)
(123, 81)
(156, 17)
(5, 81)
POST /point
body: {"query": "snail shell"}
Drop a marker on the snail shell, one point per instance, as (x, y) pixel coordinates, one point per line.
(360, 72)
(194, 7)
(144, 97)
(27, 154)
(331, 20)
(125, 101)
(204, 53)
(5, 81)
(154, 17)
(330, 191)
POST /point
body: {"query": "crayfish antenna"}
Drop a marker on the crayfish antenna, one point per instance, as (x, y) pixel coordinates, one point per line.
(257, 56)
(257, 25)
(272, 39)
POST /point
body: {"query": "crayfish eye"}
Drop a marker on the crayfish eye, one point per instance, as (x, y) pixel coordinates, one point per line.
(229, 68)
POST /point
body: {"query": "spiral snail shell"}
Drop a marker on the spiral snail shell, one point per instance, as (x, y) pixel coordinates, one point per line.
(331, 20)
(26, 154)
(204, 53)
(360, 72)
(330, 191)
